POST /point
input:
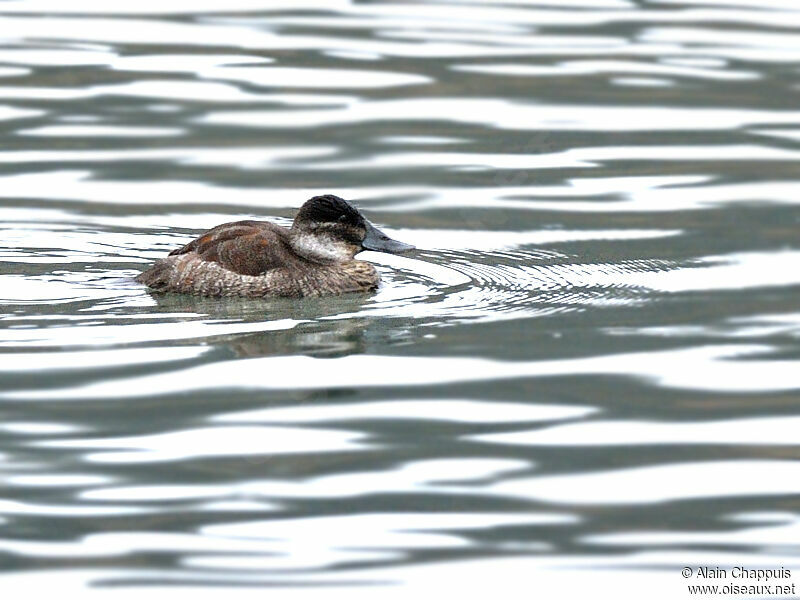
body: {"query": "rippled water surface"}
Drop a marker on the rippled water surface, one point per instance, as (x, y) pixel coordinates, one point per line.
(590, 366)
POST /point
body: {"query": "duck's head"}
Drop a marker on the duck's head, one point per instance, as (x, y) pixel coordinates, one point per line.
(330, 228)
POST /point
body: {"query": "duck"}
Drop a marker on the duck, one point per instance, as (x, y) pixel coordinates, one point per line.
(259, 259)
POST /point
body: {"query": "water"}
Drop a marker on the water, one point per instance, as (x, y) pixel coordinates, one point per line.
(589, 368)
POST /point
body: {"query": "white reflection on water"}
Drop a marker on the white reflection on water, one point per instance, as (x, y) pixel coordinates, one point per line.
(100, 131)
(771, 517)
(730, 272)
(80, 335)
(739, 45)
(16, 507)
(628, 194)
(106, 358)
(458, 411)
(162, 90)
(594, 67)
(303, 543)
(786, 532)
(8, 113)
(57, 480)
(753, 326)
(317, 78)
(79, 185)
(679, 481)
(789, 134)
(515, 116)
(37, 429)
(443, 476)
(154, 493)
(207, 66)
(260, 157)
(701, 368)
(642, 82)
(290, 543)
(453, 239)
(55, 288)
(420, 140)
(12, 71)
(584, 157)
(119, 544)
(213, 441)
(756, 431)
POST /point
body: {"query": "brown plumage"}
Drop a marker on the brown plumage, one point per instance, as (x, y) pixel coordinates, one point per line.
(260, 259)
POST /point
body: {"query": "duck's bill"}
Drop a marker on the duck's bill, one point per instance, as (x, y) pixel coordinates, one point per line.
(380, 242)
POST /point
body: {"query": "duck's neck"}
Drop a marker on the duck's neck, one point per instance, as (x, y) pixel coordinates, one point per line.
(320, 248)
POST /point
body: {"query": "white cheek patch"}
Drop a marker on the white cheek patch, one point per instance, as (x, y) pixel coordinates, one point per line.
(321, 246)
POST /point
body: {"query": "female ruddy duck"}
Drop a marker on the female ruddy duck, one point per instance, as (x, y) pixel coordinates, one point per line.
(256, 259)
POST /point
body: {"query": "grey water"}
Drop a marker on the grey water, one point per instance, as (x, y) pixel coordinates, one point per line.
(591, 365)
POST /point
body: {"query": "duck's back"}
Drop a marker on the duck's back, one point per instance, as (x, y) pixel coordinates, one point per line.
(244, 247)
(251, 259)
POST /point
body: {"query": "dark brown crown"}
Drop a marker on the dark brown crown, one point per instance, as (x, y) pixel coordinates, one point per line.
(329, 209)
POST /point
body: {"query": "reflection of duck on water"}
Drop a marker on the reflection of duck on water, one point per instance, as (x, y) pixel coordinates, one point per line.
(333, 338)
(315, 257)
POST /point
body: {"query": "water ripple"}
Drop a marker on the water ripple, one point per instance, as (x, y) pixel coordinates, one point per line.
(596, 341)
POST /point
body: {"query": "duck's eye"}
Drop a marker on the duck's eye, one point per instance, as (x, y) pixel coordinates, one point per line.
(342, 218)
